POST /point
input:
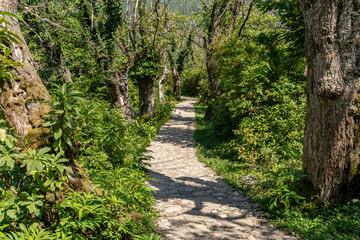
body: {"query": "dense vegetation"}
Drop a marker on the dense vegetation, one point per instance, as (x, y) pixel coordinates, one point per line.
(38, 198)
(252, 134)
(106, 72)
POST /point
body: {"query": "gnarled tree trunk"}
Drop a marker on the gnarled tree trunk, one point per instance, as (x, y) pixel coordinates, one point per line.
(120, 81)
(212, 74)
(331, 141)
(25, 99)
(164, 76)
(146, 95)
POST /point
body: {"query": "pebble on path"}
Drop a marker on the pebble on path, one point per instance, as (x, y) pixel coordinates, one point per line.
(194, 201)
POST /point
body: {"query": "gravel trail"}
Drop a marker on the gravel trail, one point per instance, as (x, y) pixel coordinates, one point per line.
(195, 202)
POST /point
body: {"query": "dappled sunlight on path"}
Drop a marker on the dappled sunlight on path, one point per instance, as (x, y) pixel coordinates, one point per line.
(195, 202)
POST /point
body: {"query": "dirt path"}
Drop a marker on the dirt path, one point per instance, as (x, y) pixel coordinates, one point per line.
(196, 202)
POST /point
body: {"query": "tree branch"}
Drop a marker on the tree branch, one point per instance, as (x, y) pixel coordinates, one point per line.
(246, 19)
(47, 20)
(221, 15)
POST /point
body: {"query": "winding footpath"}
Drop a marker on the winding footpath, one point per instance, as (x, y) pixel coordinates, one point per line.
(195, 202)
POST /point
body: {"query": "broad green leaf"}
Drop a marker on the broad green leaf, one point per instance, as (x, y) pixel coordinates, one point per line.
(2, 135)
(9, 143)
(58, 134)
(10, 162)
(49, 123)
(32, 164)
(32, 209)
(44, 150)
(60, 112)
(2, 161)
(11, 214)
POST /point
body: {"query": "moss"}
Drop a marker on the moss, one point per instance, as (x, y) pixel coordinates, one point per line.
(80, 180)
(36, 114)
(34, 92)
(35, 138)
(354, 170)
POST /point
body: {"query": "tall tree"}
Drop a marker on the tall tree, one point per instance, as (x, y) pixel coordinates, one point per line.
(25, 100)
(142, 39)
(219, 22)
(331, 141)
(177, 60)
(105, 33)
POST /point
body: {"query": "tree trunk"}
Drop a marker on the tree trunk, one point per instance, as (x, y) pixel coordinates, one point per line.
(331, 141)
(176, 79)
(164, 76)
(120, 82)
(212, 74)
(146, 95)
(25, 99)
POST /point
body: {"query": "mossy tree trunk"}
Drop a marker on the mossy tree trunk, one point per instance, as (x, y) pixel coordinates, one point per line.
(25, 99)
(146, 95)
(164, 76)
(176, 80)
(120, 81)
(331, 141)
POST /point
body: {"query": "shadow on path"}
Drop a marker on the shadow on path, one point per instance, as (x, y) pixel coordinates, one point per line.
(196, 203)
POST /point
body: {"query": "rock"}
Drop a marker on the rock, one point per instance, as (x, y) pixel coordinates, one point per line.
(164, 224)
(248, 179)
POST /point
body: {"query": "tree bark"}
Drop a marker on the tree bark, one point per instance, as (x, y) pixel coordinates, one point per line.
(146, 95)
(331, 140)
(176, 80)
(25, 100)
(120, 82)
(212, 74)
(164, 76)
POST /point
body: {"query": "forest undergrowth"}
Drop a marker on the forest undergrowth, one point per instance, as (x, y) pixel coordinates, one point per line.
(36, 200)
(276, 189)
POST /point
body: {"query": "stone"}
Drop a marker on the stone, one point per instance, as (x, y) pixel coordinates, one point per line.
(164, 224)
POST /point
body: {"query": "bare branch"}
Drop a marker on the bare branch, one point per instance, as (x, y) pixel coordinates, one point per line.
(37, 35)
(221, 15)
(246, 19)
(47, 20)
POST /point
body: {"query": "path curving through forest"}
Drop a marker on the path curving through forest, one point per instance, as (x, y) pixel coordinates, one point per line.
(195, 202)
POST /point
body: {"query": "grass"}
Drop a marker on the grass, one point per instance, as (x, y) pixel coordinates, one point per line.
(302, 218)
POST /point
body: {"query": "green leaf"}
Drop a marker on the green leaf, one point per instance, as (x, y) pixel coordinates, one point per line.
(32, 164)
(64, 88)
(2, 216)
(9, 143)
(10, 162)
(11, 214)
(44, 150)
(58, 134)
(49, 123)
(10, 15)
(68, 105)
(2, 161)
(60, 112)
(68, 141)
(2, 135)
(32, 209)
